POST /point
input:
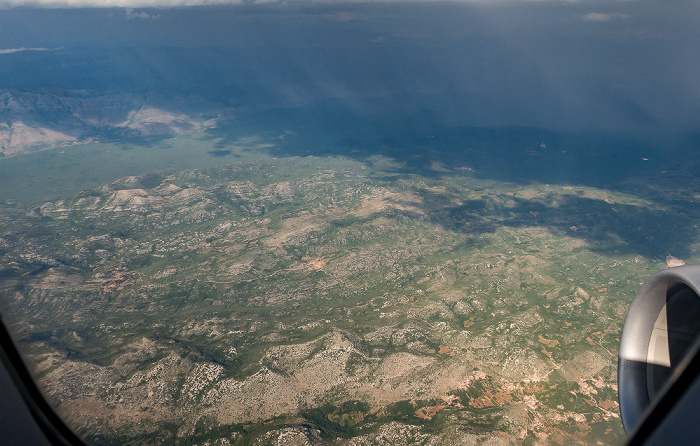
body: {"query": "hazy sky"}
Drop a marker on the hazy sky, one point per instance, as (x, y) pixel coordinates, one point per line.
(170, 3)
(557, 65)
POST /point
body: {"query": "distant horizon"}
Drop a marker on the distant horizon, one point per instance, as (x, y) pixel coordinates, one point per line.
(574, 66)
(146, 4)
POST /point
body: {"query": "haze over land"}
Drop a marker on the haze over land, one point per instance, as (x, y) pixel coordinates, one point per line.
(592, 66)
(341, 223)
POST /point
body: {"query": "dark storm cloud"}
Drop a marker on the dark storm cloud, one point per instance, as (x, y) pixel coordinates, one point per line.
(562, 66)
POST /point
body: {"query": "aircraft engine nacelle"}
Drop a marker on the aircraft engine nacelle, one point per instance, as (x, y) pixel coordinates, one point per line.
(659, 335)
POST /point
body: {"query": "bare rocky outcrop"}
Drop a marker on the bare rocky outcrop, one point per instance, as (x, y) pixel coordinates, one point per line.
(33, 121)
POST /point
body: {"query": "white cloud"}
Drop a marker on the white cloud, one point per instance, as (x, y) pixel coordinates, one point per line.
(175, 3)
(114, 4)
(17, 50)
(602, 17)
(594, 16)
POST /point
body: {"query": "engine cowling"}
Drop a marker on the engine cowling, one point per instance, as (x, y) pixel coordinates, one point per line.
(661, 329)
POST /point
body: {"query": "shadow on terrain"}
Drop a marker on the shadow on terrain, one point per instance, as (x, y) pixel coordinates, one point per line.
(606, 227)
(420, 142)
(221, 153)
(420, 145)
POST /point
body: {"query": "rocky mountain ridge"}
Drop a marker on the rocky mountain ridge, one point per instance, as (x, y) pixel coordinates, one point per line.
(42, 120)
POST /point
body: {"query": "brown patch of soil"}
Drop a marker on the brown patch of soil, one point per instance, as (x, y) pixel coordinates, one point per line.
(551, 343)
(427, 413)
(445, 350)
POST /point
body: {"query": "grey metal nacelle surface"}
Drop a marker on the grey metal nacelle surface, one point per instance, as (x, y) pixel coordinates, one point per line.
(661, 328)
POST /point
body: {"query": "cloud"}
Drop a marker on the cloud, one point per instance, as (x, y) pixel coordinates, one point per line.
(179, 3)
(130, 4)
(17, 50)
(131, 14)
(602, 17)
